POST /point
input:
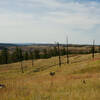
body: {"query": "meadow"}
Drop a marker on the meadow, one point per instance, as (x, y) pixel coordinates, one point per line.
(79, 80)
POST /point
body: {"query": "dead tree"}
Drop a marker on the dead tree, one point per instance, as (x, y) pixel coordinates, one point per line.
(67, 53)
(22, 66)
(93, 49)
(21, 59)
(59, 54)
(32, 58)
(32, 62)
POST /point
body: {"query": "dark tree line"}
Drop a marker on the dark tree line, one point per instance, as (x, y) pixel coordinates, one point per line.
(18, 55)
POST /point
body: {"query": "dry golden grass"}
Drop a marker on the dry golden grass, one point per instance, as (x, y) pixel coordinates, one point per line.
(67, 84)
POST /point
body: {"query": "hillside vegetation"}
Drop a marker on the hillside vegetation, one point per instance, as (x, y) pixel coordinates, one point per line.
(79, 80)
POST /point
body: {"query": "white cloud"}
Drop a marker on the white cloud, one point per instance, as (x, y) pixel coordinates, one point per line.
(48, 20)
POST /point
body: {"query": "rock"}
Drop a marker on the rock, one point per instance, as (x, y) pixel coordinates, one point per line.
(52, 73)
(2, 86)
(84, 81)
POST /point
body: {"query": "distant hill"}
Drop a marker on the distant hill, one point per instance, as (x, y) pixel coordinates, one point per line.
(40, 44)
(3, 45)
(26, 45)
(7, 44)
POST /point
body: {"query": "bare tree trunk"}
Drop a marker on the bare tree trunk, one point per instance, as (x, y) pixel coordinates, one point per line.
(93, 52)
(59, 54)
(32, 62)
(22, 67)
(67, 53)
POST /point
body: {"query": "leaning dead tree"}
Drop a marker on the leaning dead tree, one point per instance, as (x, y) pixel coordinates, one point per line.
(59, 53)
(21, 59)
(93, 49)
(67, 53)
(32, 58)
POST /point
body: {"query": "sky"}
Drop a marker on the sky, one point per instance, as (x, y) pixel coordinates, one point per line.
(49, 21)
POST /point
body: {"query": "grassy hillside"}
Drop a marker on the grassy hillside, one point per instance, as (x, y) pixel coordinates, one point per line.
(80, 80)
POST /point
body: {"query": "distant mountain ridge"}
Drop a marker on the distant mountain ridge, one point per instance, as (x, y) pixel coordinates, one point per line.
(2, 45)
(7, 44)
(14, 44)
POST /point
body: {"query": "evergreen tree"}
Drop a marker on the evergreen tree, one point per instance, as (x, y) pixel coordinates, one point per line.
(13, 57)
(63, 51)
(4, 55)
(0, 59)
(55, 51)
(36, 53)
(16, 55)
(20, 54)
(99, 49)
(31, 56)
(45, 53)
(50, 53)
(26, 56)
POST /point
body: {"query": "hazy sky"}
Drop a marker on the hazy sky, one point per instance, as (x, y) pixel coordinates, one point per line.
(48, 21)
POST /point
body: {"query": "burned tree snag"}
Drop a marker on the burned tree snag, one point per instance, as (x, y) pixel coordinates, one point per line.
(67, 53)
(22, 67)
(59, 54)
(93, 49)
(21, 59)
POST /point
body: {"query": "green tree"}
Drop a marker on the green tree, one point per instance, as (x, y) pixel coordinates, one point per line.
(55, 51)
(31, 56)
(20, 54)
(26, 56)
(63, 51)
(36, 53)
(13, 57)
(99, 49)
(45, 53)
(4, 55)
(50, 53)
(16, 55)
(0, 59)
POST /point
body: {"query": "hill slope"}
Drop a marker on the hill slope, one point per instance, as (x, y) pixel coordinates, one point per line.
(80, 80)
